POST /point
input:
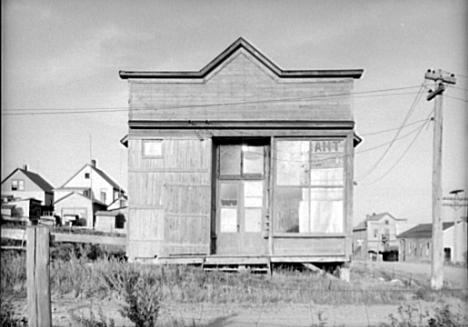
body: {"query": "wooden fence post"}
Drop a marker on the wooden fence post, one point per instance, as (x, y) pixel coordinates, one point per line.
(38, 276)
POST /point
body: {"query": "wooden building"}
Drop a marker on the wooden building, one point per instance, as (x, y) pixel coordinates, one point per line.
(375, 237)
(22, 183)
(241, 163)
(416, 243)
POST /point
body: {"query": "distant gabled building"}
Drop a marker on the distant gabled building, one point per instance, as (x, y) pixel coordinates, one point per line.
(416, 243)
(25, 184)
(375, 237)
(93, 183)
(78, 209)
(89, 190)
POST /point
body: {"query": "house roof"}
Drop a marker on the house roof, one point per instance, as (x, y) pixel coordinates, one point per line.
(422, 231)
(71, 193)
(35, 178)
(110, 213)
(101, 173)
(375, 217)
(106, 177)
(226, 54)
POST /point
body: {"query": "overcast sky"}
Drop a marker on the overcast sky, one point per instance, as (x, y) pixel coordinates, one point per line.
(63, 101)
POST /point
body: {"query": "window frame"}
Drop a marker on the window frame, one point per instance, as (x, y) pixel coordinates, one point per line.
(103, 195)
(243, 142)
(150, 140)
(344, 186)
(17, 185)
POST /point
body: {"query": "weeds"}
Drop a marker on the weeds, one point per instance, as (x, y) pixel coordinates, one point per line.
(8, 316)
(410, 316)
(143, 297)
(92, 321)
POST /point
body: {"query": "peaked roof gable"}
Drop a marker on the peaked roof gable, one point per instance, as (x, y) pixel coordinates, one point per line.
(81, 195)
(241, 43)
(375, 217)
(101, 173)
(35, 178)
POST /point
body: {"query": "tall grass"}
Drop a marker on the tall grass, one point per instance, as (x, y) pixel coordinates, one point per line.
(81, 274)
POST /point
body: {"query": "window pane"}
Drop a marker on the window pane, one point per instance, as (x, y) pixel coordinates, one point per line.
(228, 220)
(152, 148)
(290, 206)
(228, 195)
(253, 194)
(326, 210)
(253, 160)
(21, 185)
(326, 170)
(229, 160)
(327, 162)
(253, 220)
(14, 185)
(292, 162)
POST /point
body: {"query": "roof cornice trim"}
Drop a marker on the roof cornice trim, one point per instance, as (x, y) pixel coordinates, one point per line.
(242, 43)
(237, 124)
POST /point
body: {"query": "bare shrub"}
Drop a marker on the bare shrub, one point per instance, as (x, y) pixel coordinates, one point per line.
(143, 297)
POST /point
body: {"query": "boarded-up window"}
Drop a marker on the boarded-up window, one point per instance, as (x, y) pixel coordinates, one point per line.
(152, 148)
(309, 186)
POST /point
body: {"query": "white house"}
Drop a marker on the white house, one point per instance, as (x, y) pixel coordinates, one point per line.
(25, 184)
(456, 234)
(90, 183)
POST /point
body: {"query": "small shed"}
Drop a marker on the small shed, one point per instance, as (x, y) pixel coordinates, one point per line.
(112, 221)
(241, 162)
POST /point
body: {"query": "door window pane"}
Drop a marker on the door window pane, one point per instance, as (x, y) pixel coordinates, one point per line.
(292, 162)
(253, 220)
(253, 160)
(228, 195)
(228, 220)
(229, 160)
(253, 194)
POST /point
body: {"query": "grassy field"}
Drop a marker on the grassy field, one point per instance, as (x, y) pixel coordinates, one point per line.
(92, 272)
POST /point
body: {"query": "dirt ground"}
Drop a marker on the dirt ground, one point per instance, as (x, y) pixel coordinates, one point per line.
(454, 276)
(280, 314)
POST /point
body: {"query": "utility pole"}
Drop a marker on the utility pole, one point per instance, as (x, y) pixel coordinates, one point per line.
(437, 272)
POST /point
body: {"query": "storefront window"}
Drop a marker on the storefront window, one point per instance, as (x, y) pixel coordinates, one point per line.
(309, 186)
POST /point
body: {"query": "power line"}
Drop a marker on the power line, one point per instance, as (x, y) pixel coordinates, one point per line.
(458, 88)
(401, 137)
(448, 96)
(401, 157)
(48, 111)
(410, 111)
(392, 129)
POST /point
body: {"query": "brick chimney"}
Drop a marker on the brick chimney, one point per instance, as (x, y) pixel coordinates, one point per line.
(94, 163)
(26, 167)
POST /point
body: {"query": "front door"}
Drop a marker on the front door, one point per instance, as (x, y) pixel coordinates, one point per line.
(241, 197)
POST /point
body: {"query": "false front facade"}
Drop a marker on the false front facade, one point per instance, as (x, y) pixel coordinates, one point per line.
(241, 161)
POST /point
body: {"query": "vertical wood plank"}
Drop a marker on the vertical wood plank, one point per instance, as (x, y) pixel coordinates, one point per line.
(38, 277)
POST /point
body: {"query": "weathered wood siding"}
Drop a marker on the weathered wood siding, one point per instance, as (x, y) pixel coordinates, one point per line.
(241, 89)
(170, 198)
